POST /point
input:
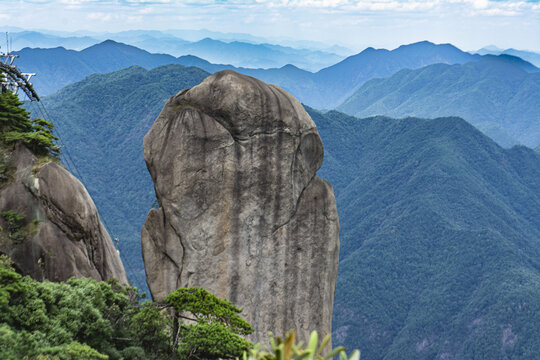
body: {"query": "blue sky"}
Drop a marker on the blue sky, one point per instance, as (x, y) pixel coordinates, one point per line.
(469, 24)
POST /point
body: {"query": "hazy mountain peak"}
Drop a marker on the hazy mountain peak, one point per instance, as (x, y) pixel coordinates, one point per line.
(424, 43)
(491, 48)
(110, 42)
(290, 67)
(107, 44)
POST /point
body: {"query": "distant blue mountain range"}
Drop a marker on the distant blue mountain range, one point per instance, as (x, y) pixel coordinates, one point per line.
(237, 53)
(530, 56)
(326, 88)
(497, 94)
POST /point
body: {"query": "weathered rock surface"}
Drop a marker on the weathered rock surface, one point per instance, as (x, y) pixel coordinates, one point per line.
(61, 234)
(243, 213)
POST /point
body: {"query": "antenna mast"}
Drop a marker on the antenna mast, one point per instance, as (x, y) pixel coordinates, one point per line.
(14, 79)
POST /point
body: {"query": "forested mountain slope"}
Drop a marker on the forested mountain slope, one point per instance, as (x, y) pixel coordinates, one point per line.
(496, 95)
(440, 232)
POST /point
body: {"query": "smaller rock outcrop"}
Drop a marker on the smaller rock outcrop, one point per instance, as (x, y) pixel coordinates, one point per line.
(50, 225)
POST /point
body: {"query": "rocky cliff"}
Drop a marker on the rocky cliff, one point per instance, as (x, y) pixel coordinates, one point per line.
(243, 213)
(50, 225)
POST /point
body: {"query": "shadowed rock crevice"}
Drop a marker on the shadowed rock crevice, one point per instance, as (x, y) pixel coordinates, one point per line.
(243, 214)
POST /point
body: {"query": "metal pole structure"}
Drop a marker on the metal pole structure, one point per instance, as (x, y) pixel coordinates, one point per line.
(14, 79)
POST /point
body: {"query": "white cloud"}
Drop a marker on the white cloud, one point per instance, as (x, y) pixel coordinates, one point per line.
(100, 16)
(107, 17)
(498, 12)
(458, 7)
(494, 8)
(379, 23)
(480, 4)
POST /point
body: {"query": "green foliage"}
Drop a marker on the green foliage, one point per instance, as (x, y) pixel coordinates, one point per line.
(15, 223)
(18, 230)
(136, 353)
(152, 329)
(288, 349)
(40, 140)
(210, 340)
(215, 333)
(12, 116)
(78, 318)
(206, 307)
(4, 162)
(5, 262)
(74, 351)
(86, 319)
(13, 218)
(15, 125)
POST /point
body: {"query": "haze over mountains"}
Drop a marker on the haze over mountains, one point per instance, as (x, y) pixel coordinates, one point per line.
(324, 89)
(58, 67)
(530, 56)
(238, 53)
(35, 38)
(495, 94)
(439, 225)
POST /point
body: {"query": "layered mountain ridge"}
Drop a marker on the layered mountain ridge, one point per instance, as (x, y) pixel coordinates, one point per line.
(239, 52)
(324, 89)
(497, 94)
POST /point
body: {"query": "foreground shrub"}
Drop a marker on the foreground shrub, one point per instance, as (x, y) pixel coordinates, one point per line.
(288, 349)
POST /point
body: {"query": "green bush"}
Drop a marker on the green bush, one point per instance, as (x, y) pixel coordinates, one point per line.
(87, 319)
(61, 319)
(152, 328)
(217, 326)
(210, 340)
(288, 349)
(14, 225)
(74, 351)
